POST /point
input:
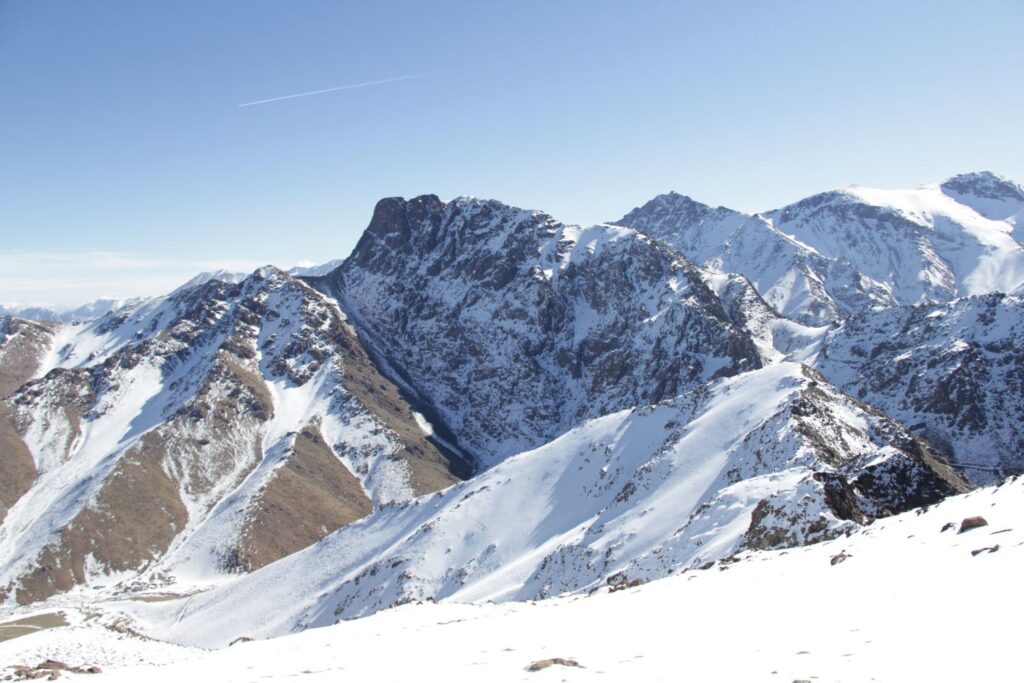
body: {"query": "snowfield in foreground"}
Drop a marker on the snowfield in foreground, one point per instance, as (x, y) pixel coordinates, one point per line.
(907, 598)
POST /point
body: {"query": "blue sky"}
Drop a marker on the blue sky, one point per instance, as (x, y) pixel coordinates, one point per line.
(126, 163)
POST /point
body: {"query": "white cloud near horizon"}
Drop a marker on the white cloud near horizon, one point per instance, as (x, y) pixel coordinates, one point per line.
(64, 279)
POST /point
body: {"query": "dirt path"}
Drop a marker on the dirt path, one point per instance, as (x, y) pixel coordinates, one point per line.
(9, 630)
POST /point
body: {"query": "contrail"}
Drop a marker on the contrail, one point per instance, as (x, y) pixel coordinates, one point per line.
(353, 86)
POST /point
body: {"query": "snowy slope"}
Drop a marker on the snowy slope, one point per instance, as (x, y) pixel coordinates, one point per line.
(911, 599)
(315, 271)
(838, 253)
(770, 458)
(190, 431)
(990, 194)
(513, 327)
(797, 280)
(177, 441)
(953, 372)
(921, 244)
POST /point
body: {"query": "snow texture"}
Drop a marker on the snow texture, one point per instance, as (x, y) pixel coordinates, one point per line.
(838, 253)
(907, 598)
(769, 458)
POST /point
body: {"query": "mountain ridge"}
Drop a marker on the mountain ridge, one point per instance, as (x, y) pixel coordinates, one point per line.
(954, 247)
(240, 419)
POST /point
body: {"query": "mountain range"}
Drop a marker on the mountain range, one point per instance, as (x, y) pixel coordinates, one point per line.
(482, 403)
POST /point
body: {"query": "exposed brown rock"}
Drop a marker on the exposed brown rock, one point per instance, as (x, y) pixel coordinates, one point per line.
(990, 549)
(257, 398)
(50, 669)
(310, 496)
(559, 661)
(841, 556)
(972, 523)
(17, 468)
(22, 345)
(132, 520)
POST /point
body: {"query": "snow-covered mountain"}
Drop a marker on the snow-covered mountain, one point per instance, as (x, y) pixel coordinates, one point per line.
(217, 429)
(83, 313)
(317, 270)
(953, 372)
(625, 411)
(99, 308)
(770, 458)
(991, 195)
(868, 606)
(835, 254)
(513, 327)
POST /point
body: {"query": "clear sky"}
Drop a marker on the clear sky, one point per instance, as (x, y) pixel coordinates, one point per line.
(127, 164)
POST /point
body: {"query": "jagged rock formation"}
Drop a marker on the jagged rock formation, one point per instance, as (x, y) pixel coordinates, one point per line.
(952, 372)
(513, 327)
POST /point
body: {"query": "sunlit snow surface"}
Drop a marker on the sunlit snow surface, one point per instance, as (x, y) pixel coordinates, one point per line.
(838, 253)
(640, 493)
(910, 602)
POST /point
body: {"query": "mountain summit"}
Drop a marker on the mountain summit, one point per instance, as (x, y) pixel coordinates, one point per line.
(838, 253)
(514, 327)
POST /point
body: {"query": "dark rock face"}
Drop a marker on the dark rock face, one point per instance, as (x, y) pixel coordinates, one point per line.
(953, 372)
(514, 327)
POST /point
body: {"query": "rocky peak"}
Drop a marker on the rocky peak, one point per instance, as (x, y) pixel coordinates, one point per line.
(990, 194)
(841, 199)
(673, 216)
(426, 233)
(983, 184)
(514, 326)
